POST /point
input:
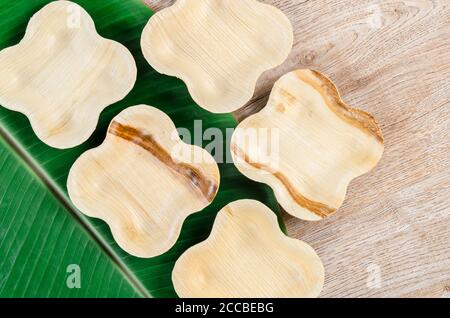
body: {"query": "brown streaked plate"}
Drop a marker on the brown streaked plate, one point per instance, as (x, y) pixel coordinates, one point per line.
(309, 145)
(247, 256)
(62, 74)
(143, 181)
(219, 48)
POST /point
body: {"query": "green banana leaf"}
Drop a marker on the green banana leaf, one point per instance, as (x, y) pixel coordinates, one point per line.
(41, 232)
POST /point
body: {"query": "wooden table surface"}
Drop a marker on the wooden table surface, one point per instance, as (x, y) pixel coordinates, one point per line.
(391, 238)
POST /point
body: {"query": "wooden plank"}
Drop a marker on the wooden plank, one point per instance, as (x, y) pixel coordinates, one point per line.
(391, 58)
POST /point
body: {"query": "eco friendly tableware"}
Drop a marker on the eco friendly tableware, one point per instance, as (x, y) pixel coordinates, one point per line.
(219, 48)
(62, 74)
(247, 255)
(314, 147)
(143, 181)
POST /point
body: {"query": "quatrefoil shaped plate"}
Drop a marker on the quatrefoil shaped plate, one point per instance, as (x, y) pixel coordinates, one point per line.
(219, 48)
(143, 181)
(309, 145)
(62, 74)
(247, 255)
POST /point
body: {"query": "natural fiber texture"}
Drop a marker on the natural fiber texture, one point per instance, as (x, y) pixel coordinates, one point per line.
(322, 145)
(247, 255)
(63, 74)
(143, 181)
(218, 48)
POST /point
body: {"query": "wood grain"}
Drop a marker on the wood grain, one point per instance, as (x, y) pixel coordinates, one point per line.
(392, 59)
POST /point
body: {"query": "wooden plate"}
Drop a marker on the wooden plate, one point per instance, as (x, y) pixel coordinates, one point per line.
(62, 74)
(143, 181)
(247, 255)
(219, 48)
(313, 147)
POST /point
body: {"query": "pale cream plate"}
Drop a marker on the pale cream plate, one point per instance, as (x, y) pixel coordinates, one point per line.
(248, 256)
(62, 74)
(219, 48)
(143, 181)
(309, 145)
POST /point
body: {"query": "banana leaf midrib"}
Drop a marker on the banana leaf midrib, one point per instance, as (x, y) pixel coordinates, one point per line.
(72, 210)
